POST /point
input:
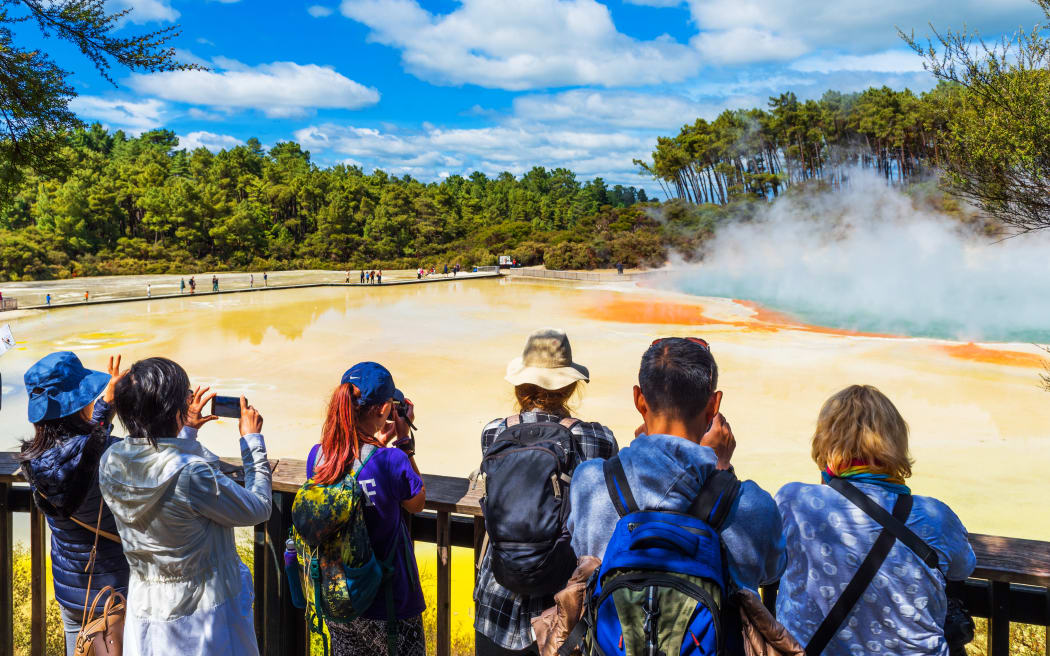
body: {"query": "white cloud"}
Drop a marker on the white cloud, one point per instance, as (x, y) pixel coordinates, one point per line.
(129, 115)
(279, 90)
(621, 109)
(426, 153)
(521, 44)
(655, 3)
(210, 140)
(144, 11)
(889, 61)
(319, 11)
(744, 45)
(742, 31)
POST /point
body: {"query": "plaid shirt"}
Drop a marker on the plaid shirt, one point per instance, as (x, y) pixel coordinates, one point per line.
(499, 614)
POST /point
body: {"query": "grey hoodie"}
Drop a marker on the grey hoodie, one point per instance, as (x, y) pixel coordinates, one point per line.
(665, 473)
(175, 511)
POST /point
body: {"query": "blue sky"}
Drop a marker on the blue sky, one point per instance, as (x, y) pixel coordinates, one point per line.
(451, 86)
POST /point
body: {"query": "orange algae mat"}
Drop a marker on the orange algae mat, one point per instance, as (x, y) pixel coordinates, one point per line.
(664, 312)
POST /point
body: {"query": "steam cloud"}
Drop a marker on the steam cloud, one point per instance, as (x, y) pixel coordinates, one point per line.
(866, 259)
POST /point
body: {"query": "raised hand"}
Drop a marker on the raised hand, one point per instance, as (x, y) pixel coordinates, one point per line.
(251, 421)
(115, 374)
(720, 438)
(195, 417)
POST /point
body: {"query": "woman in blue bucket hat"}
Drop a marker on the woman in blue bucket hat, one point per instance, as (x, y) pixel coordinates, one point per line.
(70, 409)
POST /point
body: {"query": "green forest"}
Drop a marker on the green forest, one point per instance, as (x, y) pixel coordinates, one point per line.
(141, 204)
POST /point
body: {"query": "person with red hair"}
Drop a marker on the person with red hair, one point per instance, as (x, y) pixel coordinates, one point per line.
(370, 420)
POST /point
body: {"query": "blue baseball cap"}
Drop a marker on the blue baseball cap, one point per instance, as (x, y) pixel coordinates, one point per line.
(374, 381)
(58, 386)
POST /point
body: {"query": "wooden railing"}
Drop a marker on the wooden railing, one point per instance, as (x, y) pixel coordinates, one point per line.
(1011, 582)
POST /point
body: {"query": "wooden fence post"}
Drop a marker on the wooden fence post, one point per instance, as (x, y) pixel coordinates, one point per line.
(444, 580)
(7, 607)
(999, 619)
(38, 581)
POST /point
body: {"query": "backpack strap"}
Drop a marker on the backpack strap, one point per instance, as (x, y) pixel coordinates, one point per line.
(716, 498)
(569, 422)
(619, 489)
(900, 531)
(860, 581)
(311, 461)
(513, 420)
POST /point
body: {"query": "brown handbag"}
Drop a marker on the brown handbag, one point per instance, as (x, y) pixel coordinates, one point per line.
(104, 635)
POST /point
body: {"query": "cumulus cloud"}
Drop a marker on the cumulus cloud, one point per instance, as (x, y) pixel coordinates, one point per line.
(279, 90)
(492, 150)
(802, 26)
(134, 116)
(624, 109)
(521, 44)
(319, 11)
(144, 11)
(889, 61)
(210, 140)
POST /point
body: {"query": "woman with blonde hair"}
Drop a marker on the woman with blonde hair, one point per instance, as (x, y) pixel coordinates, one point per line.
(545, 381)
(867, 561)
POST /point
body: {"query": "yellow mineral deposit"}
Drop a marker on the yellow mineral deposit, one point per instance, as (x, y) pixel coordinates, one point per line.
(978, 417)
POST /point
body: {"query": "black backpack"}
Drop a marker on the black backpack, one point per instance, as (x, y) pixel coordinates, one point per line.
(527, 472)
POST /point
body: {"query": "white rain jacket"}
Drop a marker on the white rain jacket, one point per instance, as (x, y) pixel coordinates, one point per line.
(189, 592)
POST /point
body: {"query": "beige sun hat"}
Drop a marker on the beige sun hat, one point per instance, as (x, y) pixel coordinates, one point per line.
(546, 362)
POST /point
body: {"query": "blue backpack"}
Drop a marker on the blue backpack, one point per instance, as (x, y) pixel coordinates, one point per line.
(662, 583)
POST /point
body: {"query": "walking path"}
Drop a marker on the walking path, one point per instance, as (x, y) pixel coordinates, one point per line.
(436, 278)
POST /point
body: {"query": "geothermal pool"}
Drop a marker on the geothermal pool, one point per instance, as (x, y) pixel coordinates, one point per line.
(978, 416)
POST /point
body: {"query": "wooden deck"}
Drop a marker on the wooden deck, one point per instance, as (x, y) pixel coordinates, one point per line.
(1011, 582)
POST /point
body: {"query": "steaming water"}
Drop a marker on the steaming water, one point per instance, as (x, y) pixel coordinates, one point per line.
(867, 260)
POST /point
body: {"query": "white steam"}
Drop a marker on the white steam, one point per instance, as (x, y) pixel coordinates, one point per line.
(866, 259)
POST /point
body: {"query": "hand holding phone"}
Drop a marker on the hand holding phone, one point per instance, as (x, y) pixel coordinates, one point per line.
(251, 421)
(199, 398)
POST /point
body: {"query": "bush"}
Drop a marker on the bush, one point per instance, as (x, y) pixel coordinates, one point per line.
(570, 255)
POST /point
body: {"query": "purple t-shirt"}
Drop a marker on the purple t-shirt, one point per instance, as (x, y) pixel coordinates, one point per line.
(387, 479)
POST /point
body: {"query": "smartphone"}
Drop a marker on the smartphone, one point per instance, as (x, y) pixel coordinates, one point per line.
(226, 406)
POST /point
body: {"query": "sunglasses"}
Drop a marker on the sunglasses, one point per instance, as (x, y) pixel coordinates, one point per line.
(695, 340)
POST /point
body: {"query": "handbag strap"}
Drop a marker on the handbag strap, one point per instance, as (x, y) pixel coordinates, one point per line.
(97, 530)
(90, 567)
(860, 581)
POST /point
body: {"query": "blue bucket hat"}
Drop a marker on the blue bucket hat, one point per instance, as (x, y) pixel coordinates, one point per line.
(58, 386)
(374, 381)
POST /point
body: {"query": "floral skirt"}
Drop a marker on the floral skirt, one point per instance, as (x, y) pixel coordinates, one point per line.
(364, 637)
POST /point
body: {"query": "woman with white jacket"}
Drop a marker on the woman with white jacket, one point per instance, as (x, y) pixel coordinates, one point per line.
(175, 511)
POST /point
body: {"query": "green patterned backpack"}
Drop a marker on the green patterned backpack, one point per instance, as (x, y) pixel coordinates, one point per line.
(341, 575)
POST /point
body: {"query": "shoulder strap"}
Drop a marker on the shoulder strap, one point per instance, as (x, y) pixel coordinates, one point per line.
(716, 498)
(859, 583)
(311, 460)
(97, 530)
(897, 527)
(619, 489)
(569, 422)
(360, 463)
(513, 420)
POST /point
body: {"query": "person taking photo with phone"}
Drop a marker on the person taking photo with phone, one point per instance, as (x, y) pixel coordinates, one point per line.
(175, 511)
(71, 429)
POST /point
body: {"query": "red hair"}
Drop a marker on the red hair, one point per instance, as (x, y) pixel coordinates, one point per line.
(340, 444)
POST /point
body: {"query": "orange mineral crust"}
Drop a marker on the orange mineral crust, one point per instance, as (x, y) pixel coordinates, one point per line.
(976, 353)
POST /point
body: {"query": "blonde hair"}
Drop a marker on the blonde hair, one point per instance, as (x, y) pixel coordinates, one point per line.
(558, 402)
(861, 423)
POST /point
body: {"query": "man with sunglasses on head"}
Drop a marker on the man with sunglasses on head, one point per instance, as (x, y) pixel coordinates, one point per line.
(683, 441)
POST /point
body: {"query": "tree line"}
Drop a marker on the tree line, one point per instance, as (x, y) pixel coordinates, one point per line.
(141, 204)
(761, 152)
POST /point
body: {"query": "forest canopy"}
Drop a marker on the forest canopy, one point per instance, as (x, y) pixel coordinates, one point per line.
(142, 204)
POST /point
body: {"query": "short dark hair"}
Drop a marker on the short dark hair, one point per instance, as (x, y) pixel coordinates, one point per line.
(152, 399)
(678, 377)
